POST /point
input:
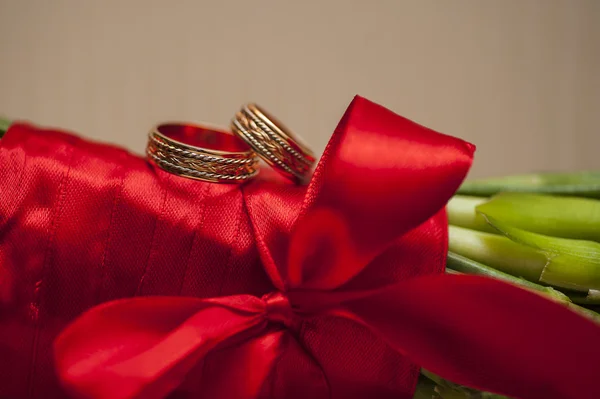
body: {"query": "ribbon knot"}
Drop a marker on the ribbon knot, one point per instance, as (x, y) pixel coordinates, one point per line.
(278, 309)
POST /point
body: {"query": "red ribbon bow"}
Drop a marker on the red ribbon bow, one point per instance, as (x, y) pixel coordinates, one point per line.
(372, 221)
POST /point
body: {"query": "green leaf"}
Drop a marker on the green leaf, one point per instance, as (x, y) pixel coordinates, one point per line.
(497, 251)
(572, 264)
(550, 215)
(582, 184)
(462, 212)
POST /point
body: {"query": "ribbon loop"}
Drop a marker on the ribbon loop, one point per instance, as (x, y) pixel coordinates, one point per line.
(381, 175)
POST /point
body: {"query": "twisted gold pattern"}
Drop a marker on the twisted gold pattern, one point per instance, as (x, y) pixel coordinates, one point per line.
(164, 144)
(262, 126)
(182, 160)
(267, 151)
(271, 144)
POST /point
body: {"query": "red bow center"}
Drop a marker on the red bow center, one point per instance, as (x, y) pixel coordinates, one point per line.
(279, 309)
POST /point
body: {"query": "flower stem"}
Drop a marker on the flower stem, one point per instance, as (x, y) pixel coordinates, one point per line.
(498, 252)
(4, 125)
(592, 297)
(571, 264)
(462, 213)
(458, 263)
(445, 389)
(582, 184)
(551, 215)
(425, 389)
(468, 266)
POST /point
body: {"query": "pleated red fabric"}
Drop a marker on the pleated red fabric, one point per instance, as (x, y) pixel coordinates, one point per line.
(120, 280)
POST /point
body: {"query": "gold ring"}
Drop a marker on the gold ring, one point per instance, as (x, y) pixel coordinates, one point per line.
(273, 142)
(202, 153)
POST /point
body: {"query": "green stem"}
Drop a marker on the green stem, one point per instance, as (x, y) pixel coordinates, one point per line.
(4, 125)
(461, 264)
(461, 212)
(571, 264)
(468, 266)
(445, 389)
(425, 389)
(592, 297)
(581, 184)
(550, 215)
(585, 312)
(498, 252)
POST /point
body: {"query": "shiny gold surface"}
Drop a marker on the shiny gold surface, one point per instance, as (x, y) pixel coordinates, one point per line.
(207, 164)
(273, 142)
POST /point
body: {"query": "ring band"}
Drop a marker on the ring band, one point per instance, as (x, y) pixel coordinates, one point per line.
(273, 142)
(201, 153)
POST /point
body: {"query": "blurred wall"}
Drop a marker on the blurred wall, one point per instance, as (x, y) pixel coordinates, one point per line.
(520, 78)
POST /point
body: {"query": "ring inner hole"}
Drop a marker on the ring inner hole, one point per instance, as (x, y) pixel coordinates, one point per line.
(203, 138)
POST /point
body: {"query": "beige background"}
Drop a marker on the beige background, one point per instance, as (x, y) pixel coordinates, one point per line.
(520, 78)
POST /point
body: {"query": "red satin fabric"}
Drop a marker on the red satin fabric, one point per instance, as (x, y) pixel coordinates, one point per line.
(262, 291)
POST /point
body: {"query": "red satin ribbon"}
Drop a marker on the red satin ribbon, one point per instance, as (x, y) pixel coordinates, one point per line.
(371, 226)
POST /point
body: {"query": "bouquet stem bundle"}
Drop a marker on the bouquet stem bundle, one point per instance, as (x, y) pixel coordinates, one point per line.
(540, 232)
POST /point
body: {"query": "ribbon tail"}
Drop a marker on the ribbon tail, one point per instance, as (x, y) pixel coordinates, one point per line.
(143, 348)
(242, 370)
(487, 335)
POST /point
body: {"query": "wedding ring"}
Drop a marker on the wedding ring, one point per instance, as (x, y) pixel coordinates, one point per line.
(273, 142)
(202, 153)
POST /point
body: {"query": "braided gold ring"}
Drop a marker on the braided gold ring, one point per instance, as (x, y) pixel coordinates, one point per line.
(200, 152)
(273, 142)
